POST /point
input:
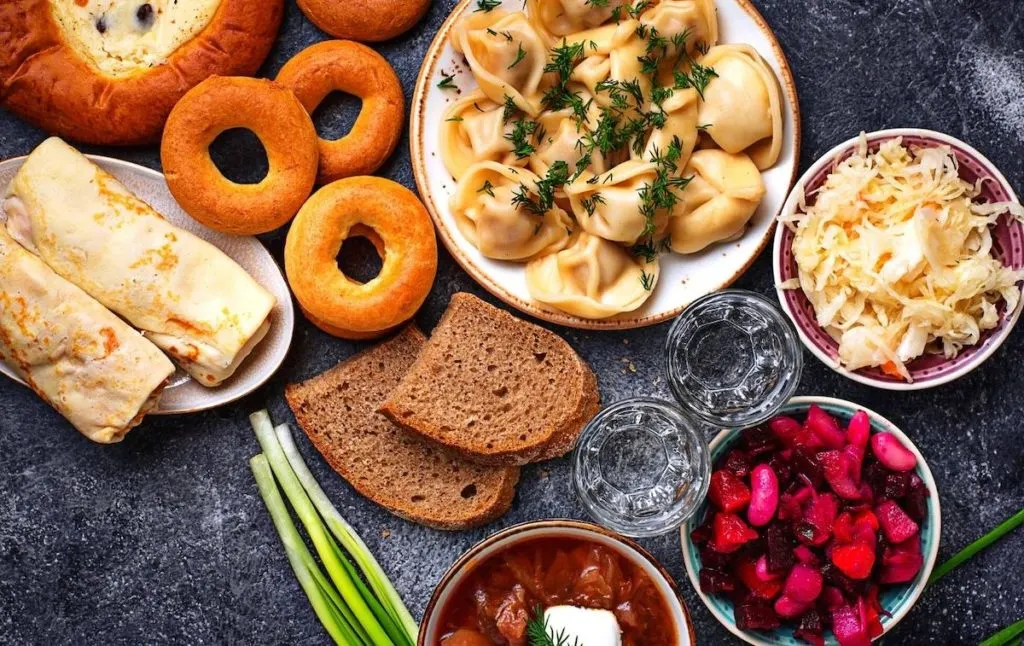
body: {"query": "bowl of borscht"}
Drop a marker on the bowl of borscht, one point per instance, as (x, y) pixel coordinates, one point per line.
(556, 581)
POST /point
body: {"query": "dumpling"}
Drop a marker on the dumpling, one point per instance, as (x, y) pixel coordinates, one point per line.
(602, 40)
(592, 278)
(486, 212)
(742, 105)
(697, 20)
(565, 17)
(506, 54)
(473, 130)
(562, 135)
(610, 205)
(621, 66)
(722, 196)
(680, 122)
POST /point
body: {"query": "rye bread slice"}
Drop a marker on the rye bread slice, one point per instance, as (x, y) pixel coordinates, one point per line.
(421, 483)
(494, 389)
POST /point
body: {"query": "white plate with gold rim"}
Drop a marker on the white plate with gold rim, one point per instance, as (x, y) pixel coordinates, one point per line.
(183, 394)
(683, 278)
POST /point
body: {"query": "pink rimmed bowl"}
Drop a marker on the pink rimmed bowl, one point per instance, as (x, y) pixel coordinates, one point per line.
(928, 370)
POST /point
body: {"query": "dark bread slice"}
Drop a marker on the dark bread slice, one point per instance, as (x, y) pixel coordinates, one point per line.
(337, 410)
(494, 389)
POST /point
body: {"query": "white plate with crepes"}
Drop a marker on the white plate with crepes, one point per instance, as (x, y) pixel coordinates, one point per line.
(681, 278)
(183, 394)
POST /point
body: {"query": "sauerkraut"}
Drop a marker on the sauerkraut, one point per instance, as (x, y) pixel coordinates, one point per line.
(895, 255)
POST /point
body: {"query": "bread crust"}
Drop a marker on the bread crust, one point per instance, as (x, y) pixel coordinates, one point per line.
(401, 226)
(365, 20)
(44, 81)
(354, 69)
(282, 125)
(549, 442)
(384, 495)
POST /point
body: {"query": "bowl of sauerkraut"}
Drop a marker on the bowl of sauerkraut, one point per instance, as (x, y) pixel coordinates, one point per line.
(900, 258)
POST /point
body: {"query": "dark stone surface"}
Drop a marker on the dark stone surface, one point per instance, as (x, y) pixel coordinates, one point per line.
(163, 538)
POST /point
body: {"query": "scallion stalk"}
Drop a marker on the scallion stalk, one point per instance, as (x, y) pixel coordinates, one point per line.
(350, 540)
(301, 560)
(1004, 528)
(1006, 635)
(304, 509)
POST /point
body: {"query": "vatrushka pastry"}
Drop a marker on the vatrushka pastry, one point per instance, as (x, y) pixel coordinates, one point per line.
(109, 71)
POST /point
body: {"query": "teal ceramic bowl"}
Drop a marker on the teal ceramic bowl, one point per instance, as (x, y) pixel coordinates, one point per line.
(897, 600)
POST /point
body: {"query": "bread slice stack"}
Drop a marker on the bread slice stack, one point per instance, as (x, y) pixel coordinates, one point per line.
(435, 430)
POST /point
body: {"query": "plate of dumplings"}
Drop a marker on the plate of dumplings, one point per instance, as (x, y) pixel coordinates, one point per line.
(602, 164)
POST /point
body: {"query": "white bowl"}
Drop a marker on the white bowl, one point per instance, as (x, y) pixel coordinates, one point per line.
(683, 278)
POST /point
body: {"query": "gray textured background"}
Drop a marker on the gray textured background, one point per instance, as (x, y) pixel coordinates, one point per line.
(163, 538)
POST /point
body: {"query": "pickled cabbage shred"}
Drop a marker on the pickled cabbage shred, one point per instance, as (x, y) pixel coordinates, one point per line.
(896, 257)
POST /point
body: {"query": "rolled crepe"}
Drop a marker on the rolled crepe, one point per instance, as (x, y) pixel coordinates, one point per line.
(98, 372)
(184, 294)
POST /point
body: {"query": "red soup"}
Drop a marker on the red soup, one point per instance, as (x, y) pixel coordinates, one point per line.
(494, 604)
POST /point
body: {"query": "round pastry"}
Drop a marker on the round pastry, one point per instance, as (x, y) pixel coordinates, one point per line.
(394, 220)
(109, 71)
(354, 69)
(365, 20)
(282, 125)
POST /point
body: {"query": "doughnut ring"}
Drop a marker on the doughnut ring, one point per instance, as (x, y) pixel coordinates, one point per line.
(357, 70)
(364, 20)
(282, 125)
(398, 226)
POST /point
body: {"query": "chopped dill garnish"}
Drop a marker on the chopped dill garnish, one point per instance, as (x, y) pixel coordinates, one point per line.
(456, 119)
(486, 5)
(557, 175)
(509, 109)
(486, 188)
(646, 280)
(522, 131)
(703, 126)
(520, 55)
(597, 3)
(590, 204)
(645, 250)
(562, 61)
(635, 10)
(538, 633)
(447, 81)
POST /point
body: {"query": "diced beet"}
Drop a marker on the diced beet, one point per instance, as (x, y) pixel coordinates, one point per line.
(791, 505)
(785, 429)
(811, 629)
(844, 583)
(782, 470)
(730, 533)
(832, 597)
(816, 527)
(759, 440)
(895, 523)
(803, 584)
(738, 462)
(847, 626)
(805, 462)
(837, 468)
(710, 558)
(868, 609)
(746, 572)
(842, 528)
(715, 581)
(855, 560)
(727, 492)
(805, 554)
(756, 615)
(901, 563)
(897, 485)
(702, 533)
(825, 427)
(788, 608)
(779, 548)
(915, 503)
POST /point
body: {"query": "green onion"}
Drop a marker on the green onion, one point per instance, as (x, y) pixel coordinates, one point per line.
(380, 584)
(353, 607)
(1007, 526)
(305, 568)
(1006, 635)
